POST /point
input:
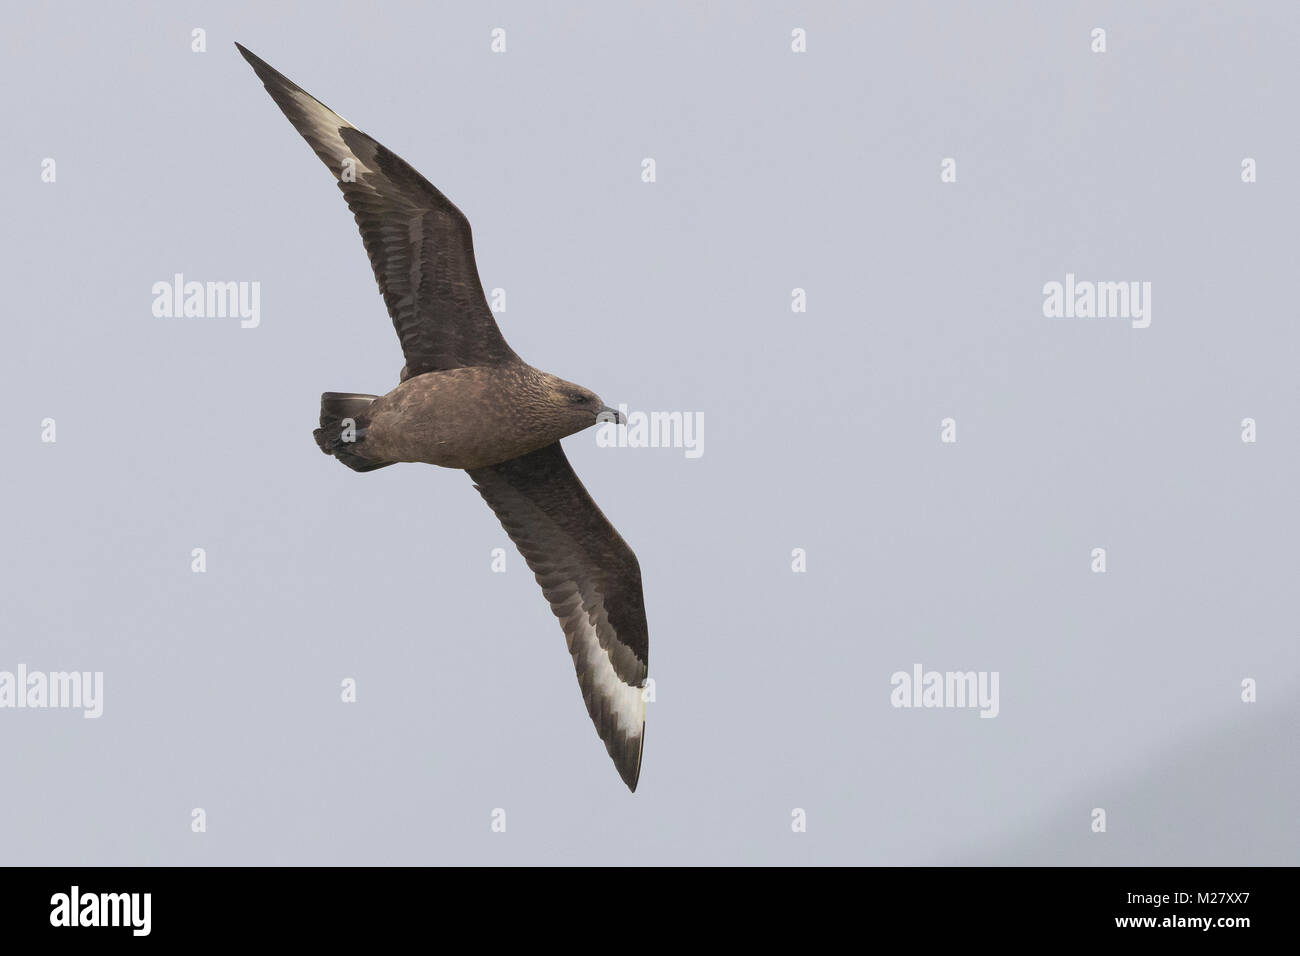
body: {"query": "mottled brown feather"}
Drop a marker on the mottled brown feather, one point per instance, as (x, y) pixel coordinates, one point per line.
(591, 579)
(420, 245)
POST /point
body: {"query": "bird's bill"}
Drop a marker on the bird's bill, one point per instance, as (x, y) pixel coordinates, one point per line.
(607, 414)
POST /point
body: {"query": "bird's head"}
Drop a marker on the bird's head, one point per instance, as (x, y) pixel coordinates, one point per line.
(580, 407)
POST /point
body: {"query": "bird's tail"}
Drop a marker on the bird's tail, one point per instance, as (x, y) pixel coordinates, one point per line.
(342, 432)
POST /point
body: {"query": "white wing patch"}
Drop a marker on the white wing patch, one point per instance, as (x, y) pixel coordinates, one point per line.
(322, 131)
(621, 701)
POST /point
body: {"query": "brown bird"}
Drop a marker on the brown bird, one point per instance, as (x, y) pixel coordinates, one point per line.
(466, 400)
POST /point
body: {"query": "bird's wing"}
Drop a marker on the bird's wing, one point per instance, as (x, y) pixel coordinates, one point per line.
(419, 243)
(593, 582)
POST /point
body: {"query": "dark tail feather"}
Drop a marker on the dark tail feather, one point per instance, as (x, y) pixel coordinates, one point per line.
(342, 432)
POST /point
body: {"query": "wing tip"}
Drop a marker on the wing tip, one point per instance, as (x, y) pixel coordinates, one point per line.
(271, 77)
(630, 770)
(265, 72)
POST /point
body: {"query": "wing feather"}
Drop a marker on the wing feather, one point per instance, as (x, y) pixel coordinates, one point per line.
(592, 581)
(420, 245)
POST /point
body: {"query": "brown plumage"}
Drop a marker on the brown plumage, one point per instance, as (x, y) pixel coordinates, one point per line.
(466, 400)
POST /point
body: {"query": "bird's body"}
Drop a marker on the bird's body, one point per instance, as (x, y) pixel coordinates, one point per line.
(468, 417)
(466, 400)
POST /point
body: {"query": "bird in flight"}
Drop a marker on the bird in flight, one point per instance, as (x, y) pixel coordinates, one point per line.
(466, 400)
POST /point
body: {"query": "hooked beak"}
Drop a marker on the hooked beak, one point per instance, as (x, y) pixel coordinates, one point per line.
(607, 414)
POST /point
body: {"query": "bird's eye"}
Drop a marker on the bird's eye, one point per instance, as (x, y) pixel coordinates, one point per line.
(577, 398)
